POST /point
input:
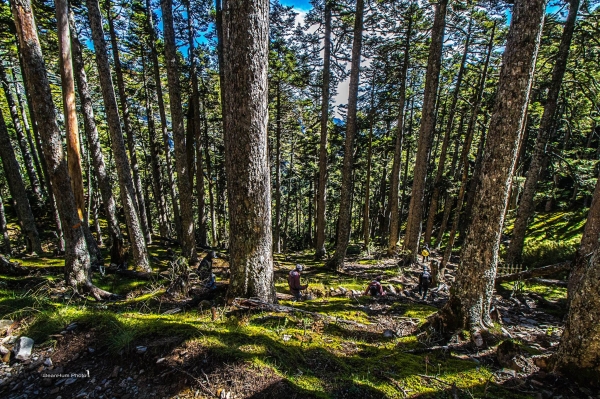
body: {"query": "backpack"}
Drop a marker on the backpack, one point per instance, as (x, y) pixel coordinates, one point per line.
(374, 288)
(425, 252)
(426, 277)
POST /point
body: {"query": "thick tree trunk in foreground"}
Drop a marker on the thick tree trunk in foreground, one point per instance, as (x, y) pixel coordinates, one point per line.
(471, 295)
(77, 260)
(128, 200)
(21, 139)
(527, 204)
(245, 117)
(89, 123)
(188, 239)
(137, 180)
(325, 89)
(395, 179)
(579, 350)
(13, 176)
(344, 217)
(432, 77)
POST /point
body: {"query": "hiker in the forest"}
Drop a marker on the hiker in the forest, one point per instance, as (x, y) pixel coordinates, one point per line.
(294, 282)
(205, 271)
(424, 281)
(425, 253)
(375, 288)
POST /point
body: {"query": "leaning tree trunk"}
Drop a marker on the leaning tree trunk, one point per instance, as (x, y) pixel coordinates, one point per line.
(325, 89)
(435, 196)
(395, 178)
(432, 77)
(471, 295)
(136, 235)
(137, 180)
(188, 239)
(3, 229)
(89, 124)
(527, 204)
(77, 260)
(345, 213)
(17, 190)
(21, 139)
(245, 117)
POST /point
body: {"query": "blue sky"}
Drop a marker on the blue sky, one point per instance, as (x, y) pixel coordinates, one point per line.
(303, 5)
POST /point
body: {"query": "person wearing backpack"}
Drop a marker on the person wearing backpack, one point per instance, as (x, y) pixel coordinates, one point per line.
(375, 288)
(294, 283)
(425, 253)
(205, 271)
(424, 281)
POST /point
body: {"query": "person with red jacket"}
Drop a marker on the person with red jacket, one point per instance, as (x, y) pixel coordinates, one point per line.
(375, 288)
(294, 282)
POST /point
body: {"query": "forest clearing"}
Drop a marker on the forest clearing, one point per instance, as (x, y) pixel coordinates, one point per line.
(299, 198)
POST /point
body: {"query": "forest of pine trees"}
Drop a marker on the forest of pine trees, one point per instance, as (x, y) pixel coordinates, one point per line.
(354, 126)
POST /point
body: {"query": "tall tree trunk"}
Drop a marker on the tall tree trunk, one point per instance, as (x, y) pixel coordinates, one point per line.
(527, 204)
(188, 239)
(128, 199)
(159, 198)
(325, 90)
(163, 118)
(366, 206)
(17, 190)
(103, 180)
(277, 226)
(469, 304)
(21, 139)
(245, 117)
(464, 157)
(74, 147)
(433, 205)
(77, 260)
(27, 128)
(209, 174)
(345, 212)
(199, 167)
(3, 229)
(395, 178)
(579, 348)
(426, 131)
(137, 181)
(289, 197)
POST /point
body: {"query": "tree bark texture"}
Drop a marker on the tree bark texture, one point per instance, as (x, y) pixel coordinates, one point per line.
(77, 259)
(188, 239)
(397, 162)
(94, 147)
(277, 222)
(137, 181)
(345, 212)
(426, 131)
(245, 117)
(325, 94)
(69, 107)
(136, 235)
(471, 295)
(17, 189)
(527, 204)
(433, 204)
(21, 139)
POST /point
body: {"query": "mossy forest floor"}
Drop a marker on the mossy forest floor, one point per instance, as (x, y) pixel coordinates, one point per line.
(150, 345)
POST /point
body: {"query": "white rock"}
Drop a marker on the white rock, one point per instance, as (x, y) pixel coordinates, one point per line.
(23, 348)
(141, 349)
(48, 362)
(388, 334)
(3, 350)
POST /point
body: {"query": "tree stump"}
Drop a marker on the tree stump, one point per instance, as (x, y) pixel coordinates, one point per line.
(437, 274)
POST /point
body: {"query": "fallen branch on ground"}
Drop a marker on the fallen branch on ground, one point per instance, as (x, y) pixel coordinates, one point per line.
(12, 268)
(545, 281)
(538, 272)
